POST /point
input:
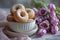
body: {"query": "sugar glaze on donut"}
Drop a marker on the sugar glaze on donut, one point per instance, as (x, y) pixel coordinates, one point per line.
(21, 16)
(31, 13)
(16, 7)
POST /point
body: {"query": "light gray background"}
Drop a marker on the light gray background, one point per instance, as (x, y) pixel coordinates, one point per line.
(10, 3)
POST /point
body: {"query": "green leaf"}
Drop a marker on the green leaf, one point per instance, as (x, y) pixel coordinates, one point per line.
(59, 25)
(39, 3)
(57, 10)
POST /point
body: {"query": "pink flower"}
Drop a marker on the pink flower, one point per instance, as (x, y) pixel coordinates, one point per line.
(54, 29)
(41, 32)
(51, 7)
(44, 24)
(42, 11)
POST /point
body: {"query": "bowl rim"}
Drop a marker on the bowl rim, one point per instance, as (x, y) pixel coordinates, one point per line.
(22, 22)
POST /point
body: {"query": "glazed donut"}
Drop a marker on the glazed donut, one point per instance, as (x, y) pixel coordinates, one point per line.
(30, 20)
(21, 16)
(16, 7)
(30, 12)
(10, 18)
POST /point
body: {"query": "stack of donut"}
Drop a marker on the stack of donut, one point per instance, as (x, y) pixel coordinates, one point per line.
(20, 14)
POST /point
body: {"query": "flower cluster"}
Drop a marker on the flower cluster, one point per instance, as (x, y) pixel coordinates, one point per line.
(53, 19)
(46, 21)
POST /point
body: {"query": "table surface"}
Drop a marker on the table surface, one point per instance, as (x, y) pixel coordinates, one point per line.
(48, 37)
(45, 37)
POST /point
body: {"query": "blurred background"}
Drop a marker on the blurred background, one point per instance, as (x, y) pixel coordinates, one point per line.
(10, 3)
(7, 4)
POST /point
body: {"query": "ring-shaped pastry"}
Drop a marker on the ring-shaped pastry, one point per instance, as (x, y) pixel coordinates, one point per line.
(16, 7)
(31, 13)
(21, 16)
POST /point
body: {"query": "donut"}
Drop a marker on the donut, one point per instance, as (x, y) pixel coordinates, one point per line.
(30, 20)
(10, 18)
(16, 7)
(31, 13)
(21, 16)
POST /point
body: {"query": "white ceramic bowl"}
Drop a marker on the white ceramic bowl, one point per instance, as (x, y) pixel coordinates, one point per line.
(29, 33)
(18, 27)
